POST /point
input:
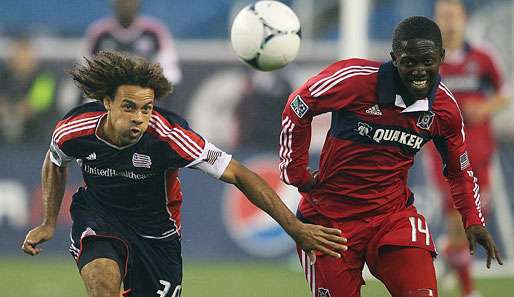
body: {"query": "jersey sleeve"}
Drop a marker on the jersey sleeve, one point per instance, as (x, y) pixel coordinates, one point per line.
(493, 74)
(58, 156)
(212, 161)
(458, 171)
(186, 148)
(167, 55)
(333, 89)
(80, 121)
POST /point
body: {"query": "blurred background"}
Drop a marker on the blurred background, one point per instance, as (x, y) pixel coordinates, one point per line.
(230, 248)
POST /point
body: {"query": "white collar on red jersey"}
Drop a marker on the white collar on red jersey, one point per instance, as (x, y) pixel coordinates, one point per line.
(418, 105)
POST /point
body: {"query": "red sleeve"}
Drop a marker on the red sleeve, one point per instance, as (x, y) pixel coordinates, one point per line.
(492, 72)
(457, 167)
(332, 89)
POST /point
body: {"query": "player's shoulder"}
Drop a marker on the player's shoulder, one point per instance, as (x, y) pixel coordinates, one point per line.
(168, 118)
(82, 113)
(445, 105)
(353, 64)
(101, 26)
(80, 121)
(94, 107)
(483, 51)
(354, 71)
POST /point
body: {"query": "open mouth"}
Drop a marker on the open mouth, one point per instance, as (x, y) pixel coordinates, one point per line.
(419, 84)
(135, 130)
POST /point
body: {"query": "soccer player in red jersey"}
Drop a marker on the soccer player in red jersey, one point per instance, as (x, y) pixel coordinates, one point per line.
(473, 75)
(126, 219)
(382, 115)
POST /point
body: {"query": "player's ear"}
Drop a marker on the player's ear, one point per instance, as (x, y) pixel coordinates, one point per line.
(393, 58)
(443, 55)
(107, 101)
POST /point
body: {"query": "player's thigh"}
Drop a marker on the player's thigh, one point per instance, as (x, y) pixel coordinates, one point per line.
(102, 265)
(332, 277)
(155, 269)
(406, 271)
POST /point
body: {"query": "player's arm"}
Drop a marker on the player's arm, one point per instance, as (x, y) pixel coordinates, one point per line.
(309, 237)
(53, 180)
(476, 111)
(464, 187)
(501, 95)
(323, 93)
(168, 56)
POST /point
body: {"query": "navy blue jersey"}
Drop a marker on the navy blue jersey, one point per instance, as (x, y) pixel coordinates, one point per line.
(136, 183)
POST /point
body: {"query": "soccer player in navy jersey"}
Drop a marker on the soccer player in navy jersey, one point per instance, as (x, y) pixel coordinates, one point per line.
(382, 115)
(126, 219)
(472, 73)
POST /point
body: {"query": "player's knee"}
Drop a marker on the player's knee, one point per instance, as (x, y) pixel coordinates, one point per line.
(102, 278)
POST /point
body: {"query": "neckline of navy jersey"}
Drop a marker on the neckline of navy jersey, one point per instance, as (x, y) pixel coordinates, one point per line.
(389, 84)
(110, 144)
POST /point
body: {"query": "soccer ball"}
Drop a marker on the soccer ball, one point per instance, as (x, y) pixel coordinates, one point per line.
(266, 35)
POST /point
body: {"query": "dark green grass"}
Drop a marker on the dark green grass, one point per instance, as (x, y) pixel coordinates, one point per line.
(44, 276)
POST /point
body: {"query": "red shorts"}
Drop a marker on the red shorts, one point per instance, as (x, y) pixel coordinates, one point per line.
(343, 277)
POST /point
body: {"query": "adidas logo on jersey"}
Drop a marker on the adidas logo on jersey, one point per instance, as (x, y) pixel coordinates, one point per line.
(374, 110)
(91, 157)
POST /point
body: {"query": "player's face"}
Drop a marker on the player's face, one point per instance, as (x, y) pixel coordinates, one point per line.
(126, 11)
(418, 64)
(129, 113)
(451, 18)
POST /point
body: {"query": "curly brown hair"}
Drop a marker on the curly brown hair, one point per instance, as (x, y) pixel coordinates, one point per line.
(101, 75)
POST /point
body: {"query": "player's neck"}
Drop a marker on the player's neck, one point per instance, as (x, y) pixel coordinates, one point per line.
(106, 131)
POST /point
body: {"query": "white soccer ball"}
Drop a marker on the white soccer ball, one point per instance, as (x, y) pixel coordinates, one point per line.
(266, 35)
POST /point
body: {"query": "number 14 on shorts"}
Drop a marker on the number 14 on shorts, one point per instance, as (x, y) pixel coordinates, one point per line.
(417, 227)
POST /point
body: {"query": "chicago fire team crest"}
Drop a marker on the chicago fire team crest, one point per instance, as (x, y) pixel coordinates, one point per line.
(253, 230)
(425, 120)
(324, 292)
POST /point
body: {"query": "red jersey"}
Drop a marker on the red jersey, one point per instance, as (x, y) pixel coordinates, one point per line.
(372, 142)
(472, 75)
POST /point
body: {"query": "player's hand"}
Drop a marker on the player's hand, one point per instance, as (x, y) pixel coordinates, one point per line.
(313, 181)
(477, 233)
(37, 236)
(315, 238)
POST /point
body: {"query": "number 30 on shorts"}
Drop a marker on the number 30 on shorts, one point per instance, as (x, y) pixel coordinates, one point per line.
(418, 228)
(167, 286)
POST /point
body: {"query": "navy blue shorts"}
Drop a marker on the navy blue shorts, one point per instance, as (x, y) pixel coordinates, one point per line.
(149, 266)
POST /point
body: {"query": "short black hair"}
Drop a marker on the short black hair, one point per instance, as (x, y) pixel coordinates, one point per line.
(416, 27)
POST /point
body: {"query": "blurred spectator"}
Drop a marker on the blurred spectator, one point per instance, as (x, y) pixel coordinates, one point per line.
(128, 32)
(474, 77)
(27, 96)
(260, 108)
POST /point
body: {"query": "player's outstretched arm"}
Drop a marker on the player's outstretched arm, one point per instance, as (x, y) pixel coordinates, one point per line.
(478, 233)
(309, 237)
(53, 182)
